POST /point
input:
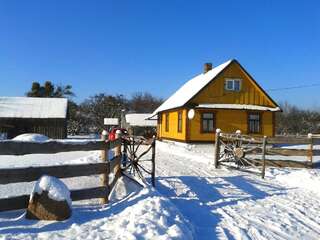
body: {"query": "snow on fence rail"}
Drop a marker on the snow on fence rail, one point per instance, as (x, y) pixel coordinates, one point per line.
(259, 152)
(29, 174)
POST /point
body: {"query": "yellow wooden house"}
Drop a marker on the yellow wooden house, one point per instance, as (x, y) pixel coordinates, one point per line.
(224, 97)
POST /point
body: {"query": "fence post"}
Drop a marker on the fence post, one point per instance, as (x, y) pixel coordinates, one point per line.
(217, 148)
(105, 158)
(117, 151)
(153, 159)
(124, 153)
(264, 146)
(311, 148)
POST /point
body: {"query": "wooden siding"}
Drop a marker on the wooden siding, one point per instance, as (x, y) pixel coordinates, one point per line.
(173, 125)
(250, 93)
(53, 128)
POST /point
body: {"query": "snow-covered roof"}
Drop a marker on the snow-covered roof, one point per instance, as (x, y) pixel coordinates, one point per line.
(239, 106)
(140, 119)
(29, 107)
(190, 89)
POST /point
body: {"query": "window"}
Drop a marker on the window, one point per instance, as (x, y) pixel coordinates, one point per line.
(207, 122)
(254, 123)
(233, 85)
(179, 121)
(167, 122)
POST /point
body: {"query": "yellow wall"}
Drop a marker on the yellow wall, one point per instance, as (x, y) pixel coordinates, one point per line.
(249, 93)
(173, 125)
(228, 121)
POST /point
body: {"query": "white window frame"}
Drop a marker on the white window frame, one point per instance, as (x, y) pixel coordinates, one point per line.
(233, 80)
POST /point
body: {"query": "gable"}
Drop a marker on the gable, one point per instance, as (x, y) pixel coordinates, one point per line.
(250, 94)
(190, 89)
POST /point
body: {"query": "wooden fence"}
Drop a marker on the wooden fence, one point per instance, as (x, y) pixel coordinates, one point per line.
(259, 152)
(29, 174)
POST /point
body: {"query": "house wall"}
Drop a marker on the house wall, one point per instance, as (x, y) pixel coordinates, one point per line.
(53, 128)
(229, 121)
(250, 93)
(173, 125)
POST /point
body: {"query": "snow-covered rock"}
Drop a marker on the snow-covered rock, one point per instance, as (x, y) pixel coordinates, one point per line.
(31, 137)
(49, 200)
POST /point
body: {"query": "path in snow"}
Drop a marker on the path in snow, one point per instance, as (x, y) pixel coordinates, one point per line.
(225, 204)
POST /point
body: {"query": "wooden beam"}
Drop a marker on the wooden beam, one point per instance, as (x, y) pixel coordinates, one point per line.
(10, 147)
(21, 202)
(287, 151)
(29, 174)
(288, 140)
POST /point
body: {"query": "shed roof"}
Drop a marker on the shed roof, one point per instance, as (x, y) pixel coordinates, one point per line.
(140, 120)
(29, 107)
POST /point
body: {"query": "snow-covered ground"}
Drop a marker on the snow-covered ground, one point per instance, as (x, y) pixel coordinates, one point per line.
(192, 200)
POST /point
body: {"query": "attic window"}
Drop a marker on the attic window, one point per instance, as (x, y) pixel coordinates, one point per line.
(233, 84)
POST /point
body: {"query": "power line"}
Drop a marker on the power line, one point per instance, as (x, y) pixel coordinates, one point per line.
(294, 87)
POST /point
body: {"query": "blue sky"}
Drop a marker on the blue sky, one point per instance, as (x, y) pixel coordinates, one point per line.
(128, 46)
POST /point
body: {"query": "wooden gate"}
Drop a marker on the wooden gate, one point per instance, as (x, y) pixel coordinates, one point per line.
(234, 151)
(253, 154)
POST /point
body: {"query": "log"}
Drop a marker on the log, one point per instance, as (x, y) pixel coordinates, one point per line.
(29, 174)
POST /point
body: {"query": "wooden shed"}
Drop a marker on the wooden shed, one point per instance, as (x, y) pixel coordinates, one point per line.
(225, 97)
(47, 116)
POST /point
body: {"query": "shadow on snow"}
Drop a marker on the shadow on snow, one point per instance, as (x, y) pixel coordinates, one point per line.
(199, 197)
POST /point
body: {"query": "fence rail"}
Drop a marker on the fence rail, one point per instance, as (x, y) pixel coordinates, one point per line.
(29, 174)
(244, 150)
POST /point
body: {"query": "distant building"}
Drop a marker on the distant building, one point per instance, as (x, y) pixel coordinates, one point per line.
(47, 116)
(224, 97)
(138, 124)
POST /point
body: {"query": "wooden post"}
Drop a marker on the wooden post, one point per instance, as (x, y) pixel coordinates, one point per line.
(117, 151)
(124, 153)
(264, 148)
(153, 159)
(217, 148)
(105, 177)
(310, 148)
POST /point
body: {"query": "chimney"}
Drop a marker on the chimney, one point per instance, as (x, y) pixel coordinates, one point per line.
(207, 67)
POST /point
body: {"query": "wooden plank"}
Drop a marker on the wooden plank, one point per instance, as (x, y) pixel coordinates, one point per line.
(21, 202)
(115, 162)
(283, 163)
(21, 148)
(244, 140)
(88, 193)
(288, 140)
(29, 174)
(114, 143)
(287, 152)
(13, 203)
(316, 152)
(117, 175)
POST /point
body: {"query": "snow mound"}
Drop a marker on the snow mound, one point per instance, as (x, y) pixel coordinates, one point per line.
(307, 179)
(31, 137)
(123, 188)
(56, 189)
(151, 217)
